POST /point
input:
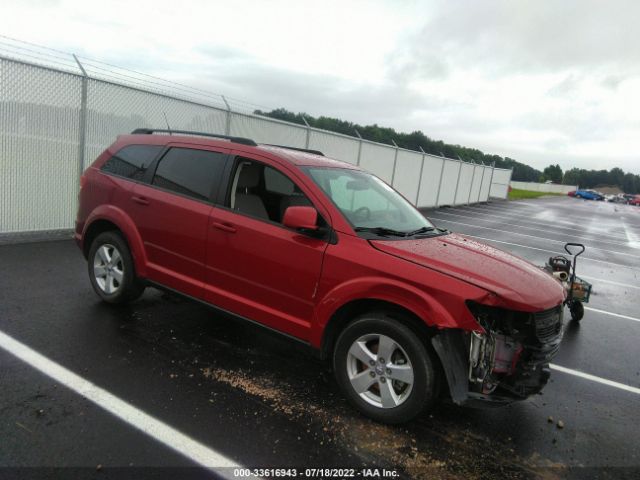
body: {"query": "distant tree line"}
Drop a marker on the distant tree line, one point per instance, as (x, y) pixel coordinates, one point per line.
(628, 182)
(411, 141)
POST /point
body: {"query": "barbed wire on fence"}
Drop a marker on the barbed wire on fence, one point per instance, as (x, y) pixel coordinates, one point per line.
(58, 111)
(99, 70)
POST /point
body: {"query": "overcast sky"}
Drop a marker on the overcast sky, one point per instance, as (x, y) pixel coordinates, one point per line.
(540, 81)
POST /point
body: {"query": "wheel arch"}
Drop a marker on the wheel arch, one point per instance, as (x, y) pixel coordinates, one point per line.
(109, 218)
(96, 227)
(353, 309)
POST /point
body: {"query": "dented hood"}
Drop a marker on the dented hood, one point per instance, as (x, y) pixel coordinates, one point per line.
(520, 284)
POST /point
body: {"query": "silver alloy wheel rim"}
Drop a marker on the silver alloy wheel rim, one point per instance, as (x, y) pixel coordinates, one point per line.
(380, 371)
(108, 268)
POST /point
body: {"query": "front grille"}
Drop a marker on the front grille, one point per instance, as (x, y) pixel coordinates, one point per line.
(548, 324)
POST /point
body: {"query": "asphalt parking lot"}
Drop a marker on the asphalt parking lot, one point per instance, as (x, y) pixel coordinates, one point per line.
(259, 400)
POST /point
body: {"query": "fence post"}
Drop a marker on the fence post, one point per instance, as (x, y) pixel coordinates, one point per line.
(227, 128)
(493, 168)
(308, 131)
(82, 137)
(395, 161)
(420, 177)
(481, 181)
(444, 161)
(473, 177)
(455, 193)
(359, 146)
(509, 183)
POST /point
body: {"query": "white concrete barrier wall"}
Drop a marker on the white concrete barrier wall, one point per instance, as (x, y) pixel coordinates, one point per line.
(267, 131)
(42, 130)
(543, 187)
(430, 181)
(464, 184)
(486, 183)
(500, 183)
(407, 176)
(449, 180)
(335, 146)
(378, 159)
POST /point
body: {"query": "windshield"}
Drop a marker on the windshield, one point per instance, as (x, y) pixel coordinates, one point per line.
(369, 204)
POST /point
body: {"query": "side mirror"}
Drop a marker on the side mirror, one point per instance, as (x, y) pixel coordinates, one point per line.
(300, 218)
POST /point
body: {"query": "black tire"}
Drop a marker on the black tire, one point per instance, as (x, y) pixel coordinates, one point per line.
(126, 290)
(577, 311)
(425, 388)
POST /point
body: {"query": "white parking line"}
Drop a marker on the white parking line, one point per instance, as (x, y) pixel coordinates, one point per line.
(632, 238)
(604, 312)
(531, 236)
(548, 227)
(548, 251)
(575, 214)
(593, 378)
(605, 229)
(599, 280)
(577, 210)
(557, 223)
(135, 417)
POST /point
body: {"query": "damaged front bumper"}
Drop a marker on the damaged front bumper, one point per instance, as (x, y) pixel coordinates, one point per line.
(509, 361)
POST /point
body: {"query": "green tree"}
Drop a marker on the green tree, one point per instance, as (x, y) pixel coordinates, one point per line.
(553, 173)
(415, 140)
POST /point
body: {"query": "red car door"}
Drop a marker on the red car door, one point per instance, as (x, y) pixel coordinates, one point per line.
(256, 267)
(172, 215)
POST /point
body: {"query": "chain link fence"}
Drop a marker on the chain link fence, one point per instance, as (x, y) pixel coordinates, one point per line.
(56, 118)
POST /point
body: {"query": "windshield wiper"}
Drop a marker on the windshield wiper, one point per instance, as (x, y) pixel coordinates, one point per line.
(420, 230)
(382, 231)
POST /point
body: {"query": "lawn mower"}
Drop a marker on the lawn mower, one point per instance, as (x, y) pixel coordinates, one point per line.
(578, 290)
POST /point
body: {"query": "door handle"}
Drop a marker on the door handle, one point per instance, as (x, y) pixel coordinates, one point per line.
(226, 227)
(140, 200)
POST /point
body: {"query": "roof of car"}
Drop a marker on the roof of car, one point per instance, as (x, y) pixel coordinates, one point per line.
(300, 157)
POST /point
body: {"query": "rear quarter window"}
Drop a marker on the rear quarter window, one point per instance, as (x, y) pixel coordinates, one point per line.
(190, 172)
(132, 161)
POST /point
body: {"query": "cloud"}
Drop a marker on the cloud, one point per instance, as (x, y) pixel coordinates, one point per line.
(535, 37)
(542, 82)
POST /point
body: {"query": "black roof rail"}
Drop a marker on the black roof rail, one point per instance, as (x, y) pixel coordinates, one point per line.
(305, 150)
(150, 131)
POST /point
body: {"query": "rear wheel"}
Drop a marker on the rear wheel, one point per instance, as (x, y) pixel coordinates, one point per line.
(577, 311)
(111, 269)
(384, 369)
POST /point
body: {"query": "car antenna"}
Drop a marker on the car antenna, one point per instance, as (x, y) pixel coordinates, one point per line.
(165, 119)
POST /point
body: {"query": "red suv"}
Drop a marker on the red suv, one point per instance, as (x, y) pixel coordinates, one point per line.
(327, 254)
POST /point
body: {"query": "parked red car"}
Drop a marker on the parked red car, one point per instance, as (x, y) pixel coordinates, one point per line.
(635, 200)
(327, 254)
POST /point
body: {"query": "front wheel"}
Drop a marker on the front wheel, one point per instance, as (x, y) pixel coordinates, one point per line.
(111, 269)
(384, 369)
(577, 310)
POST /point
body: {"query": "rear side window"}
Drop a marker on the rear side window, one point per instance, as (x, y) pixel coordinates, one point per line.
(132, 161)
(190, 172)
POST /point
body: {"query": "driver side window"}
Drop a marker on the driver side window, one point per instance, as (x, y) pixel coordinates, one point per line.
(261, 191)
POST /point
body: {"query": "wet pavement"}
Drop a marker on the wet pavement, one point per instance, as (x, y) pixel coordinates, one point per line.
(264, 401)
